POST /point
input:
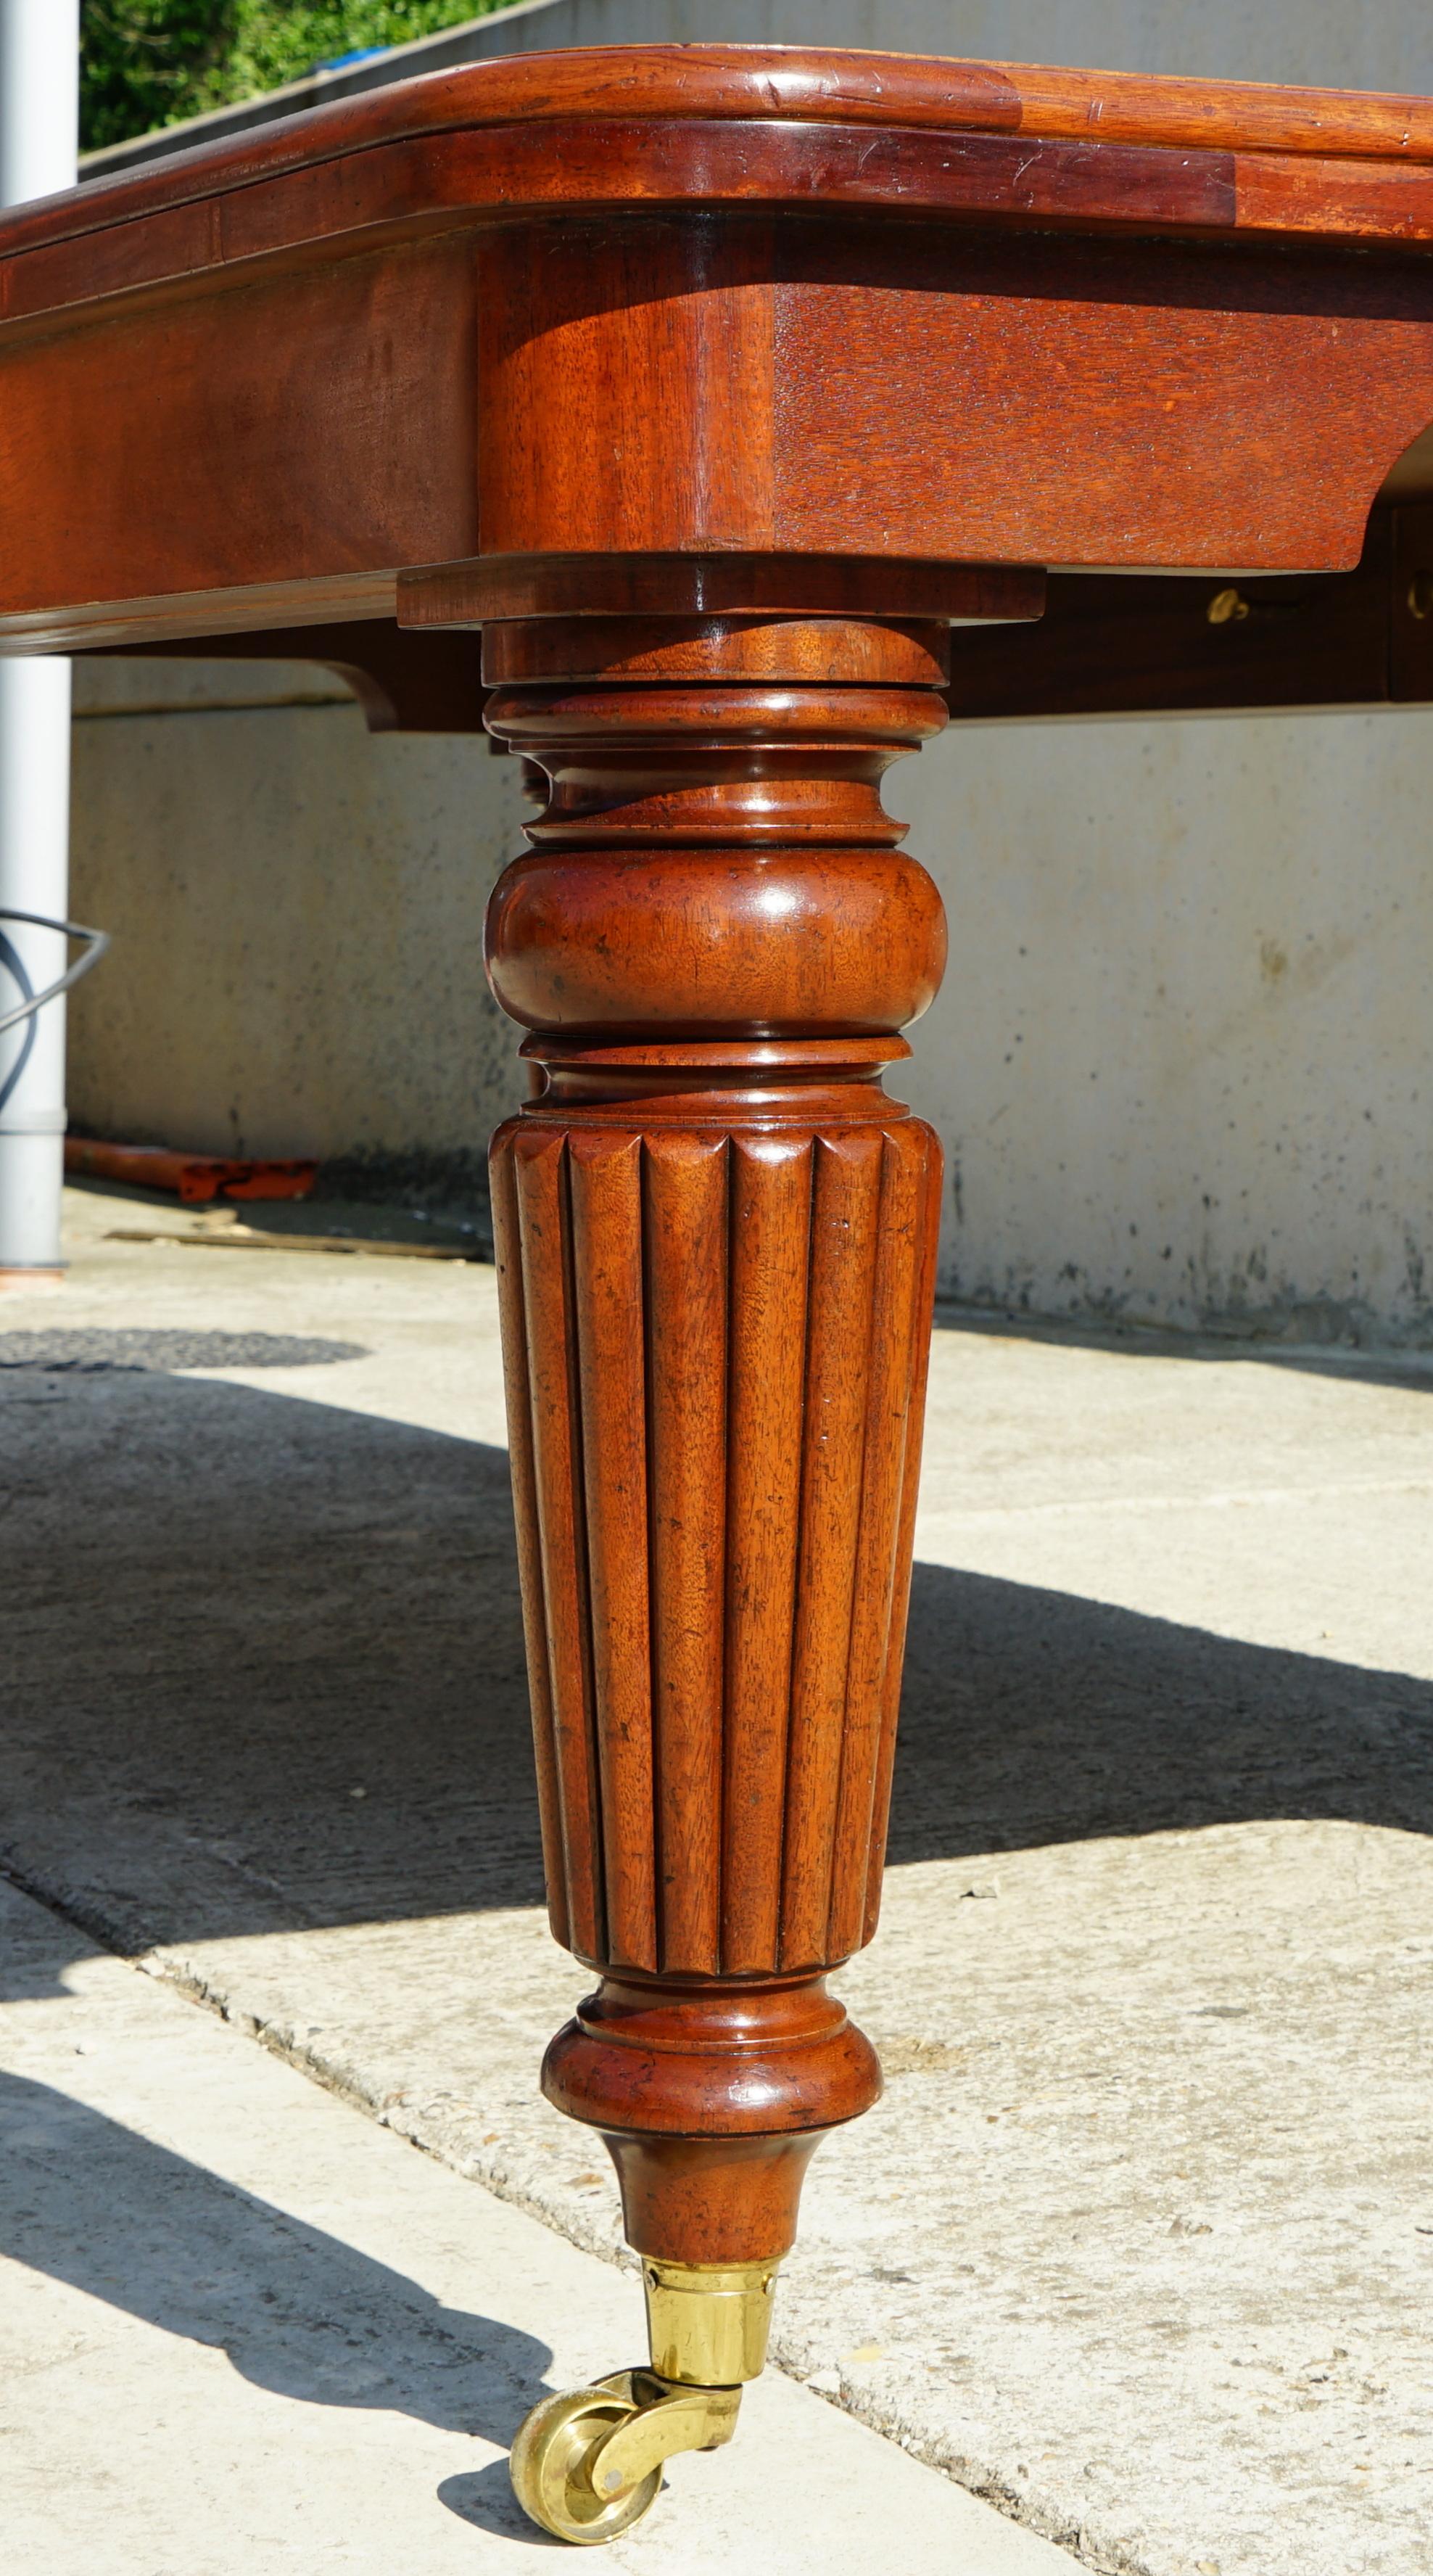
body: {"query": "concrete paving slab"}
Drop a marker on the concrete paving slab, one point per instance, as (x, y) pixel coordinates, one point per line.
(245, 2329)
(1137, 2245)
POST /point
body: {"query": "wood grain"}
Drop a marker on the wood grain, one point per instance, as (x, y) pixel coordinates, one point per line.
(667, 326)
(517, 1383)
(540, 1185)
(711, 2098)
(686, 1373)
(799, 305)
(185, 619)
(605, 1184)
(1094, 404)
(265, 437)
(1106, 645)
(841, 1344)
(716, 1318)
(907, 1218)
(713, 84)
(904, 1553)
(503, 592)
(770, 1223)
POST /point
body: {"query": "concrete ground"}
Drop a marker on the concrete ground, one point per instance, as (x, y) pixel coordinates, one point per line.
(1138, 2247)
(246, 2329)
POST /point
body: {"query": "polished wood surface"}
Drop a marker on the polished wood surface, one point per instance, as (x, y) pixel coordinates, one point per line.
(1103, 645)
(757, 405)
(1077, 320)
(716, 1246)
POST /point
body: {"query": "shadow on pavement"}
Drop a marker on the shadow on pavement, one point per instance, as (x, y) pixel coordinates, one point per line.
(262, 1669)
(1408, 1367)
(297, 2311)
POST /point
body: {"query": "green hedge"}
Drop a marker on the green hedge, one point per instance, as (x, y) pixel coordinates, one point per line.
(152, 62)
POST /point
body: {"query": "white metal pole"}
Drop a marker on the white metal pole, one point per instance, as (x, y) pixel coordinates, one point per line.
(39, 140)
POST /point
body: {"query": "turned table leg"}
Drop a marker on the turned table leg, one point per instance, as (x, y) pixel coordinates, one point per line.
(716, 1244)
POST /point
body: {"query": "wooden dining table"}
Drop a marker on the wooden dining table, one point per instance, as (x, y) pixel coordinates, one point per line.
(714, 424)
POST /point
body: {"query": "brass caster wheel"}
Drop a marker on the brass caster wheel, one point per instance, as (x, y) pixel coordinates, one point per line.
(587, 2465)
(553, 2456)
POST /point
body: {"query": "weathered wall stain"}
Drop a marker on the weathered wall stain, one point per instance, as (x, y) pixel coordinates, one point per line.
(1182, 1062)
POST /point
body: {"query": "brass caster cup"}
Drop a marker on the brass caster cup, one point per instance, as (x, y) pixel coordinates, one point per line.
(708, 2323)
(587, 2465)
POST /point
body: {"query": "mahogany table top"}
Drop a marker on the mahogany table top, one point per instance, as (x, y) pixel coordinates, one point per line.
(705, 303)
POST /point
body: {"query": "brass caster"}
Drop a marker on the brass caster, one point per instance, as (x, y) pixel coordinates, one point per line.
(708, 2323)
(587, 2465)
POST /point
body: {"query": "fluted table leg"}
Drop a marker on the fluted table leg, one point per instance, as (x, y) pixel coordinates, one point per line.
(716, 1243)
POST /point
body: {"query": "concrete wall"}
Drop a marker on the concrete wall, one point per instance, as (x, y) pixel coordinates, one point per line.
(1361, 44)
(297, 912)
(1183, 1057)
(1183, 1061)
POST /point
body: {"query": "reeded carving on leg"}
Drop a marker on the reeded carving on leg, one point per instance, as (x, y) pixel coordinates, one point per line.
(716, 1246)
(720, 1334)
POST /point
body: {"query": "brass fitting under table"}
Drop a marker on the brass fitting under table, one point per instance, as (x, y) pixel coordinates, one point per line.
(587, 2464)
